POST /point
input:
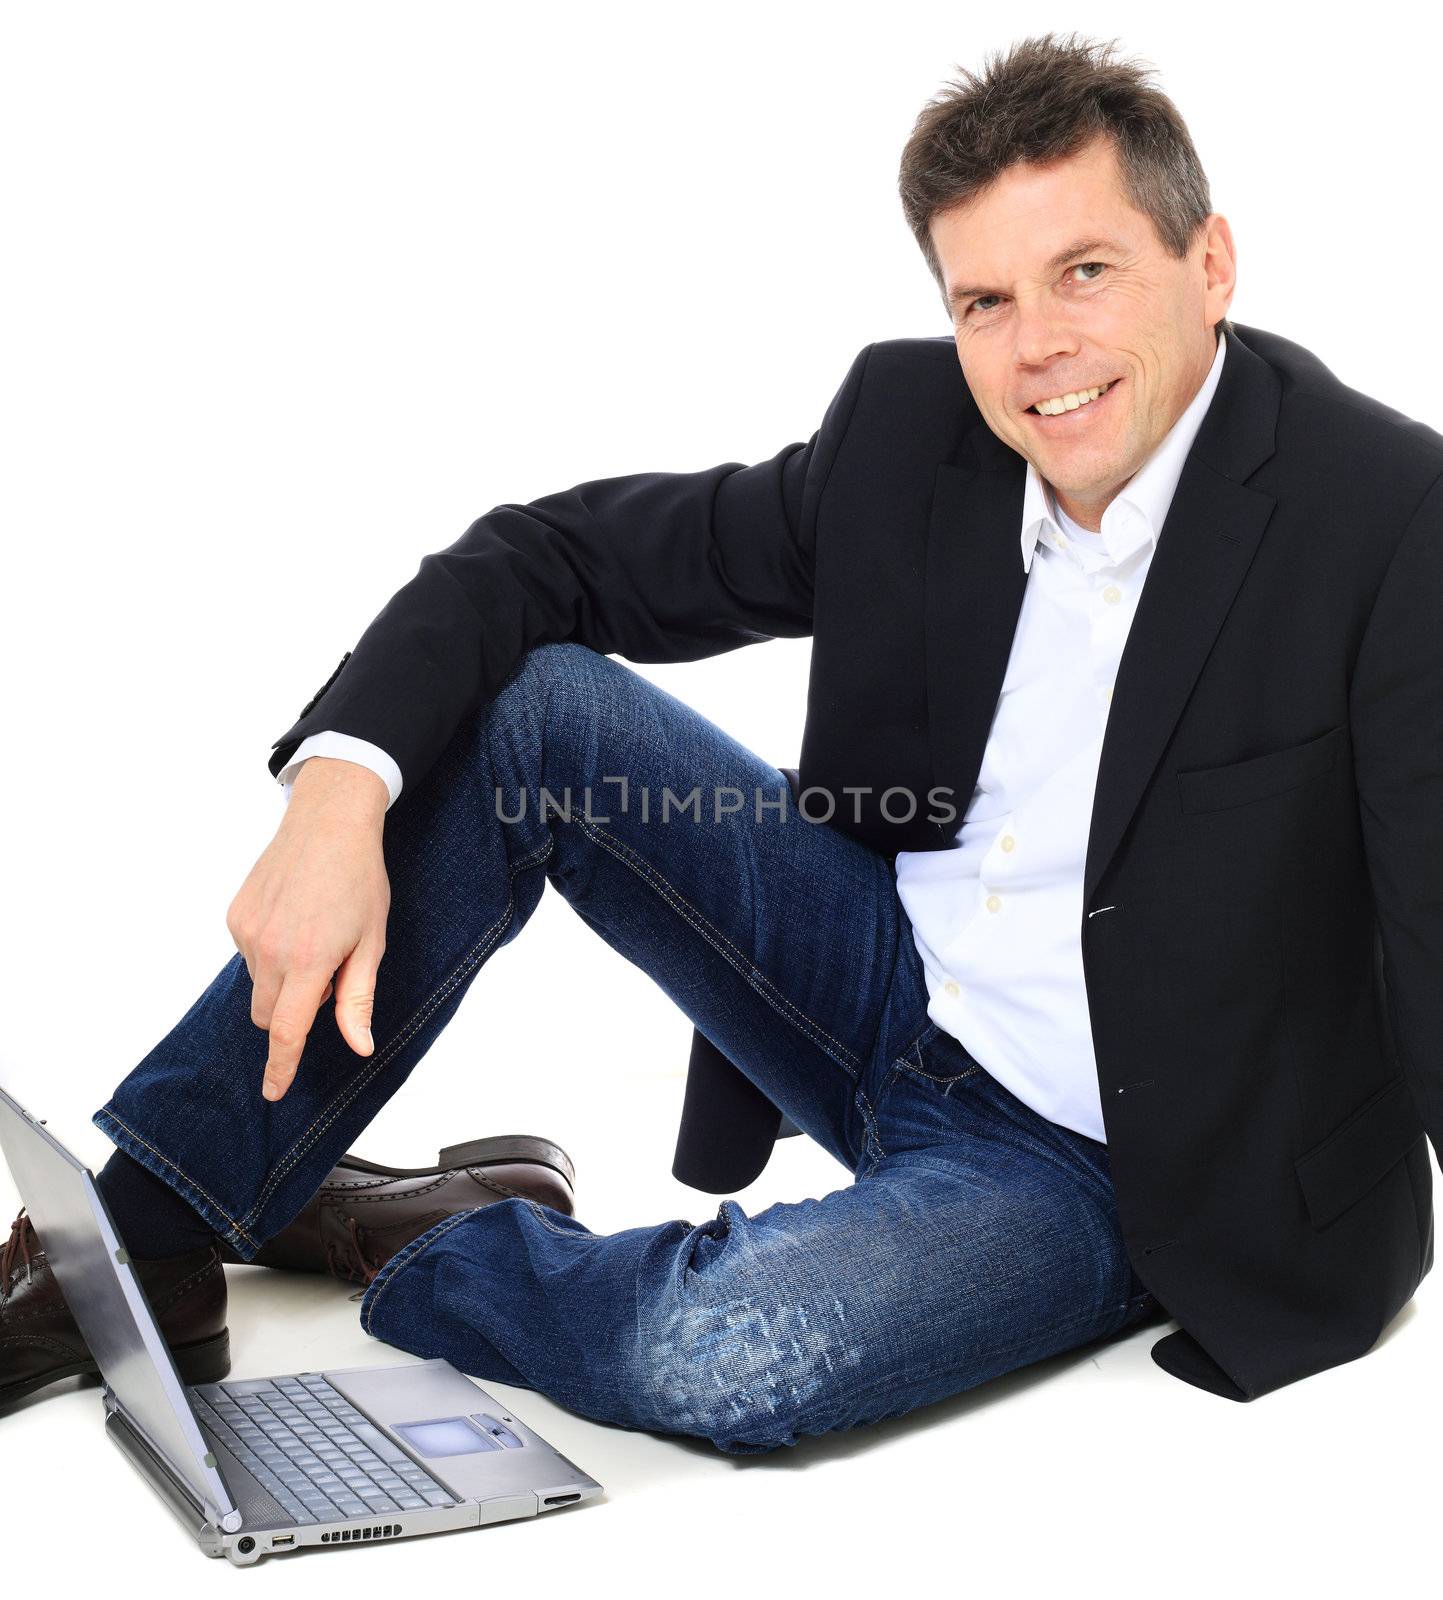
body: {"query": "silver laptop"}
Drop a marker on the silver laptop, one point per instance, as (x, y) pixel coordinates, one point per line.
(359, 1455)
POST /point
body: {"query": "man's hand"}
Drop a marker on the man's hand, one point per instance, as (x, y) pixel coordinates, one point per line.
(313, 913)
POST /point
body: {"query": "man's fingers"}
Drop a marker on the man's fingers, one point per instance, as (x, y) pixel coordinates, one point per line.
(356, 996)
(291, 1021)
(265, 992)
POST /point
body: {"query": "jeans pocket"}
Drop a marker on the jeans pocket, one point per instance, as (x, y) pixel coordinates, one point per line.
(915, 1105)
(935, 1057)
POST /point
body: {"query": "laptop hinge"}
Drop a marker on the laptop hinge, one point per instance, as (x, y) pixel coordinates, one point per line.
(193, 1517)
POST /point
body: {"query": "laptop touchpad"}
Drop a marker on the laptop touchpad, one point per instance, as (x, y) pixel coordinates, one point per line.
(444, 1436)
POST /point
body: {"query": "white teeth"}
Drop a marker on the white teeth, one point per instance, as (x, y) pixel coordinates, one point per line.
(1070, 402)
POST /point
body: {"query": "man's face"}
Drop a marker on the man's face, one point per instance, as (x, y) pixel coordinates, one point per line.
(1035, 324)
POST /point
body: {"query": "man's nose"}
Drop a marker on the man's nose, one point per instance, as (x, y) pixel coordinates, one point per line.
(1042, 335)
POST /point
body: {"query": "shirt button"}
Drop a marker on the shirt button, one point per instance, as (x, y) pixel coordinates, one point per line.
(1109, 691)
(952, 986)
(1112, 594)
(1008, 842)
(994, 902)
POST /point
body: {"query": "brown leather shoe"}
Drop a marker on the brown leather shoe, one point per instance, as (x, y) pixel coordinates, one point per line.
(40, 1344)
(364, 1213)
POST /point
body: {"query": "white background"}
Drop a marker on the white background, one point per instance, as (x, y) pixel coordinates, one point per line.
(291, 294)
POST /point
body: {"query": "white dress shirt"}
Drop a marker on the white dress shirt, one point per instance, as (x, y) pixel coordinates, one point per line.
(997, 920)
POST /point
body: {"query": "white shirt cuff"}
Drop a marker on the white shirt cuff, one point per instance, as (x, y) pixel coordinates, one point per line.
(345, 747)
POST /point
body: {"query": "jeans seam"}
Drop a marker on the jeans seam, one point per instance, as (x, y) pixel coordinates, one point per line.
(922, 1038)
(329, 1112)
(545, 1221)
(920, 1070)
(757, 979)
(871, 1140)
(180, 1171)
(932, 1077)
(412, 1250)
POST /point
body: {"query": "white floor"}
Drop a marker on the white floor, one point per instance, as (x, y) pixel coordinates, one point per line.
(1092, 1473)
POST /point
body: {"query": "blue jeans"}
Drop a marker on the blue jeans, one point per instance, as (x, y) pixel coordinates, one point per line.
(975, 1237)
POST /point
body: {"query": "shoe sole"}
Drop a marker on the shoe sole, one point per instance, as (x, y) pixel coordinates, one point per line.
(205, 1361)
(497, 1151)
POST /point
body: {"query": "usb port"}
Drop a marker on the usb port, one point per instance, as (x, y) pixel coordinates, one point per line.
(282, 1540)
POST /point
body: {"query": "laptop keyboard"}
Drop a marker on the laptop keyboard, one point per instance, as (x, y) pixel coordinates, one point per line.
(313, 1452)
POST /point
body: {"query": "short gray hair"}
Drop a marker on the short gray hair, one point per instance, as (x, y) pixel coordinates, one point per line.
(1045, 99)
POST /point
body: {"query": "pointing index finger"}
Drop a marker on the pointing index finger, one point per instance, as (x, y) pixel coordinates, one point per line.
(291, 1021)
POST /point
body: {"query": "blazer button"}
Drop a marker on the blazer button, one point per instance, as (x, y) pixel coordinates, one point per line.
(315, 698)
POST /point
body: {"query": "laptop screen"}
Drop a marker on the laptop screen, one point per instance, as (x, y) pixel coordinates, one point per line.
(106, 1300)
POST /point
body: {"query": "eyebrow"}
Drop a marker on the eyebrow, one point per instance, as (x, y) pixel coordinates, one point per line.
(1079, 247)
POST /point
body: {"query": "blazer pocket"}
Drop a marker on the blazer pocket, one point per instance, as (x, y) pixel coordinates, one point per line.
(1359, 1152)
(1274, 772)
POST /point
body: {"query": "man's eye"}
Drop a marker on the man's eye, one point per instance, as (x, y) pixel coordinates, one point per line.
(979, 304)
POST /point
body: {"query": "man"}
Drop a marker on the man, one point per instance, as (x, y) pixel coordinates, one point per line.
(1121, 786)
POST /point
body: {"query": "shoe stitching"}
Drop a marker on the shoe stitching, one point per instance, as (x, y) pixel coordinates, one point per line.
(12, 1317)
(44, 1341)
(37, 1261)
(339, 1193)
(359, 1187)
(363, 1185)
(178, 1290)
(501, 1188)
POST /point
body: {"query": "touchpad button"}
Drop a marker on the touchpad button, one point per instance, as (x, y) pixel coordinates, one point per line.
(497, 1431)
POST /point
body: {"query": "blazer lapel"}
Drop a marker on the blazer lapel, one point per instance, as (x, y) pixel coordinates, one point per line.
(973, 596)
(975, 584)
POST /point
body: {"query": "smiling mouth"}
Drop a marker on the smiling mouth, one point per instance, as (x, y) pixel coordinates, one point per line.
(1075, 415)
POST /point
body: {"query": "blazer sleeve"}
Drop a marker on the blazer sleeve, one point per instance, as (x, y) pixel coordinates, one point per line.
(653, 566)
(1396, 710)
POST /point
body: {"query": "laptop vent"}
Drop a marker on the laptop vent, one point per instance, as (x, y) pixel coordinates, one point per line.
(387, 1530)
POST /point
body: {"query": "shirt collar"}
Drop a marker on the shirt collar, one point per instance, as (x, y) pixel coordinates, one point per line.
(1137, 512)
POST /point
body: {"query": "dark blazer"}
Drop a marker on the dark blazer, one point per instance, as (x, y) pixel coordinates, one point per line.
(1262, 929)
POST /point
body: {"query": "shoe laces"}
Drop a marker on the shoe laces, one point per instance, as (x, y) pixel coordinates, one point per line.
(349, 1259)
(17, 1247)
